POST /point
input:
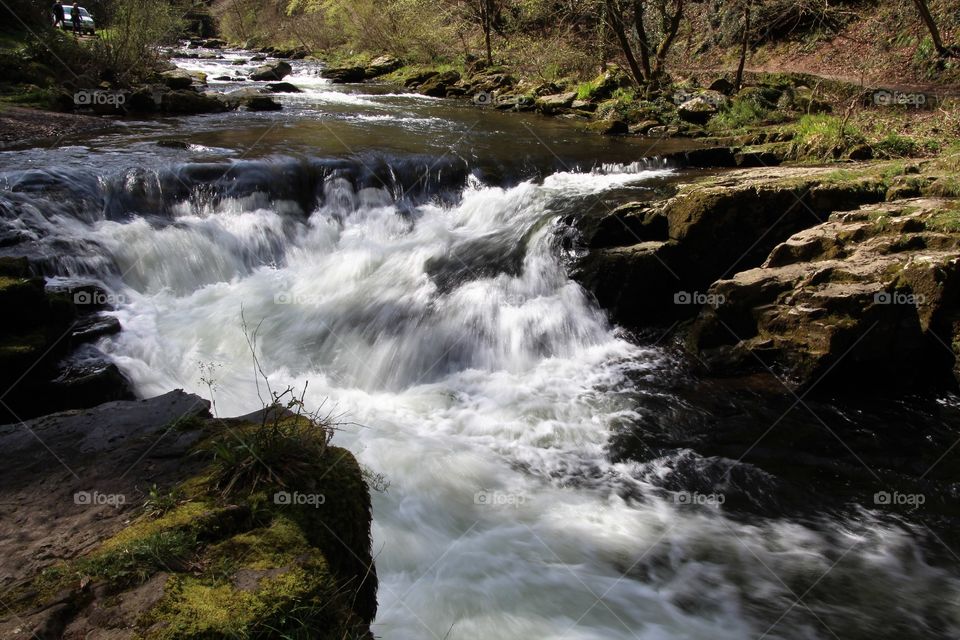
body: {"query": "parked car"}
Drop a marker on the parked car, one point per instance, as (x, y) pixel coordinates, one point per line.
(87, 25)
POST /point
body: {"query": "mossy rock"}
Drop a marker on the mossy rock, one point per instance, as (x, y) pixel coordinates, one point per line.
(253, 567)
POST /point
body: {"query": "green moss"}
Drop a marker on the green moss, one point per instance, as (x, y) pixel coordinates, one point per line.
(145, 527)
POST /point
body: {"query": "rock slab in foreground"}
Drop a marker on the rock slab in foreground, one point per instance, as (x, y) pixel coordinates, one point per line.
(90, 551)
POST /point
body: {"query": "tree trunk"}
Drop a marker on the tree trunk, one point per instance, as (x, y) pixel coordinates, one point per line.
(487, 28)
(615, 17)
(928, 20)
(644, 40)
(744, 45)
(667, 42)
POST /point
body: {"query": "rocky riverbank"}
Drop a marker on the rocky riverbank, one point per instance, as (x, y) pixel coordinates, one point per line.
(140, 520)
(811, 272)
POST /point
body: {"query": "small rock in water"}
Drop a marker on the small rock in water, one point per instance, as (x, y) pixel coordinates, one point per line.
(283, 87)
(263, 103)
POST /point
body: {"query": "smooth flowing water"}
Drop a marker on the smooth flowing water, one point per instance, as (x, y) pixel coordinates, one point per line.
(408, 259)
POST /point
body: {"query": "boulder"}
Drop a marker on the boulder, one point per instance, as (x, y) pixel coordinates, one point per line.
(262, 103)
(722, 85)
(556, 102)
(643, 128)
(283, 87)
(182, 79)
(714, 228)
(439, 85)
(274, 70)
(416, 79)
(190, 102)
(700, 109)
(381, 66)
(344, 75)
(869, 298)
(609, 127)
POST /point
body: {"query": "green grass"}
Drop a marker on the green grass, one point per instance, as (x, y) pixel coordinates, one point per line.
(739, 115)
(896, 146)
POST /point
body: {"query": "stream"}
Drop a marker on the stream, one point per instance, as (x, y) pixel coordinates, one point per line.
(550, 475)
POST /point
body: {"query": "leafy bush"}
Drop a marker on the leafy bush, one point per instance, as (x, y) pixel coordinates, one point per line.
(129, 48)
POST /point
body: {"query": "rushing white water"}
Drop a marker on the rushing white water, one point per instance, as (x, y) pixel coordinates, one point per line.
(487, 385)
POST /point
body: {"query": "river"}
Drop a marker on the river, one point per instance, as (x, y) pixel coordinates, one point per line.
(407, 258)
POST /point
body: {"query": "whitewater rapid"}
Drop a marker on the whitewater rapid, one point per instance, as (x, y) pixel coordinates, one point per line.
(485, 385)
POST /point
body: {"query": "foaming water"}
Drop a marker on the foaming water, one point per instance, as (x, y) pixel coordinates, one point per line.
(485, 385)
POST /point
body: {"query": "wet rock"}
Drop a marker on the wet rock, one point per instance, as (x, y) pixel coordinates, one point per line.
(663, 131)
(262, 103)
(182, 79)
(344, 75)
(869, 298)
(722, 85)
(283, 87)
(700, 109)
(439, 85)
(147, 99)
(381, 66)
(173, 144)
(187, 102)
(417, 79)
(718, 227)
(612, 127)
(274, 70)
(643, 128)
(88, 378)
(92, 327)
(556, 102)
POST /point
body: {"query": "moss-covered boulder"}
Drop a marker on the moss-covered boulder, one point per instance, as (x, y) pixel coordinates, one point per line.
(192, 560)
(869, 299)
(714, 228)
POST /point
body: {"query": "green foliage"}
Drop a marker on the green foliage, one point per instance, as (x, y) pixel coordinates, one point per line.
(896, 146)
(738, 115)
(823, 136)
(159, 502)
(284, 446)
(129, 50)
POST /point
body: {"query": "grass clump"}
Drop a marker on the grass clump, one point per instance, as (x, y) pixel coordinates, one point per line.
(822, 137)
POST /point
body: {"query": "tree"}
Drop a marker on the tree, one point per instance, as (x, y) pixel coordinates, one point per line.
(927, 17)
(744, 43)
(648, 63)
